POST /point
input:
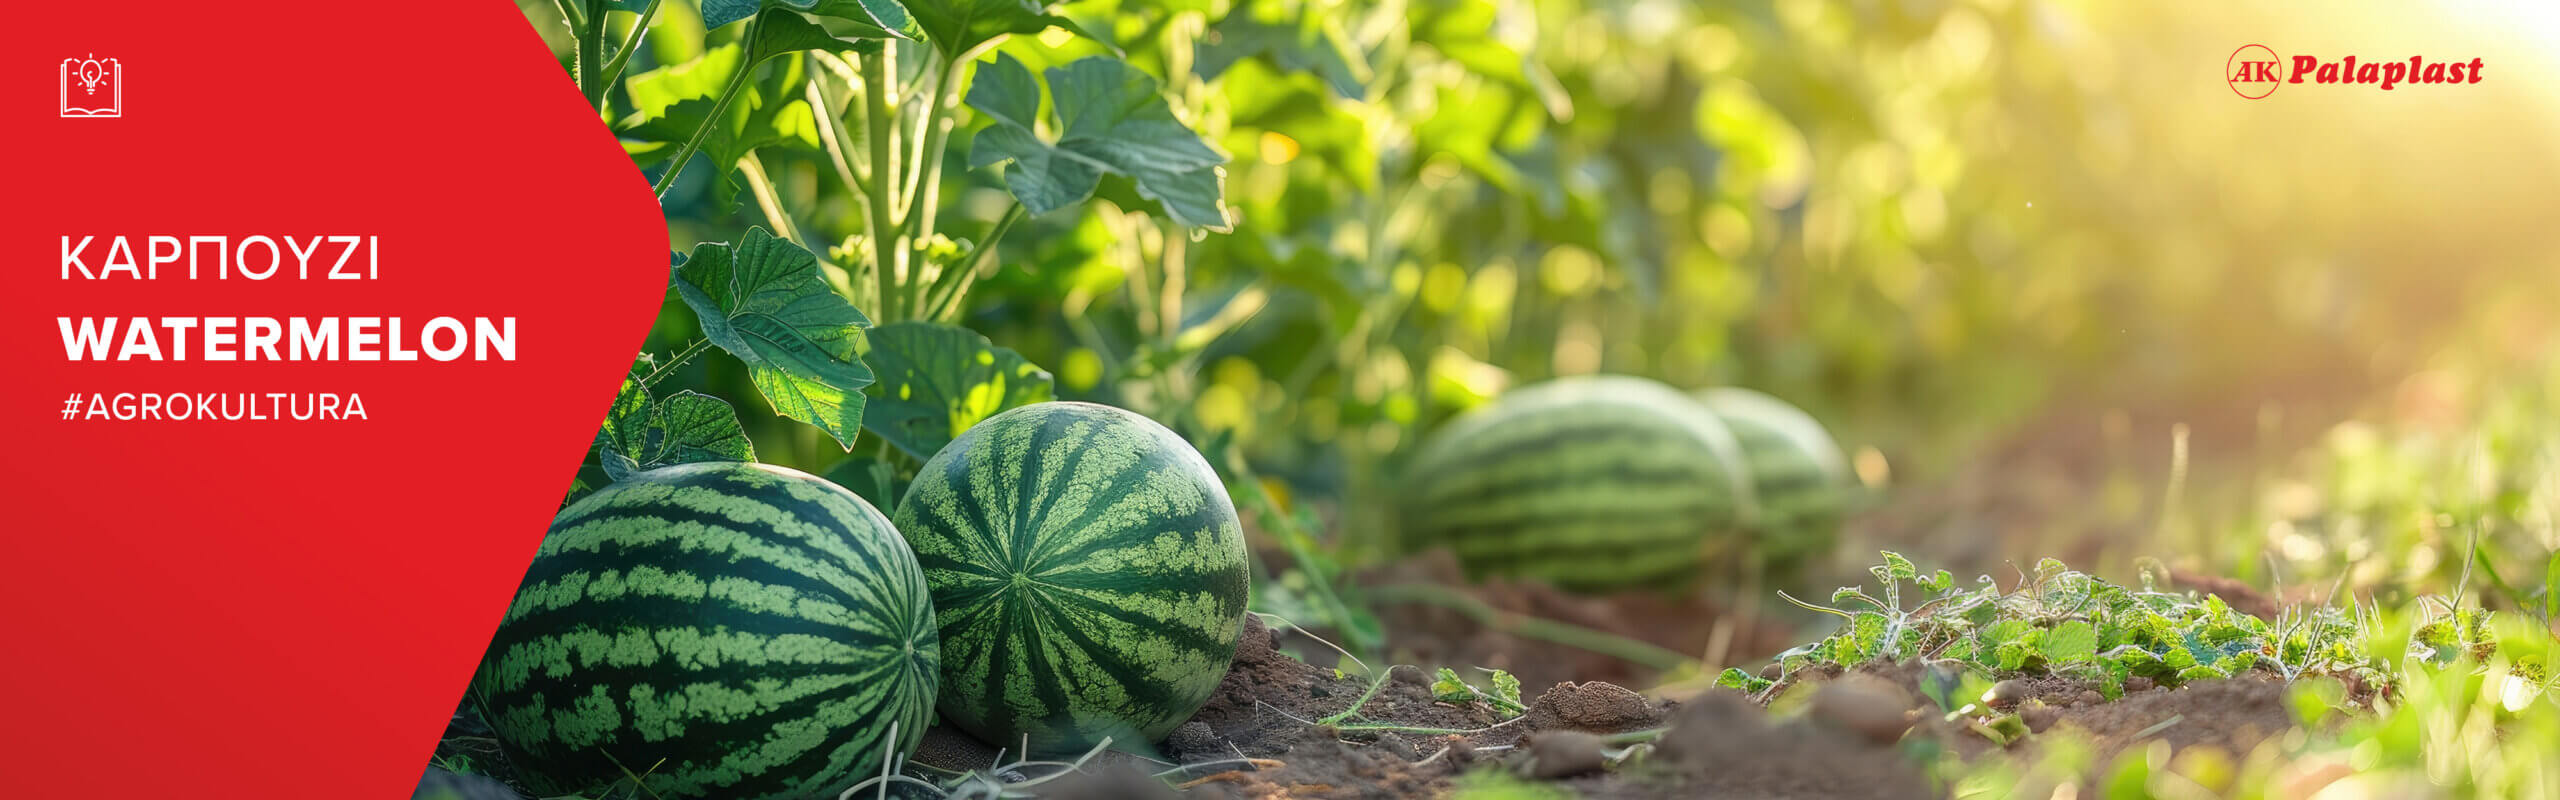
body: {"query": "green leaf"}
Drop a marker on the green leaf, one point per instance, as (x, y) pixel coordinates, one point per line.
(1111, 119)
(1506, 688)
(1191, 198)
(1866, 637)
(1294, 47)
(1736, 679)
(1110, 111)
(1043, 178)
(873, 479)
(766, 302)
(672, 102)
(779, 31)
(937, 380)
(2011, 655)
(869, 19)
(1938, 582)
(2005, 631)
(641, 433)
(2070, 642)
(1899, 568)
(1447, 688)
(958, 26)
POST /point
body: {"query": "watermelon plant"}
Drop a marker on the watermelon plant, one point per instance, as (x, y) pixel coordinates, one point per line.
(874, 91)
(1589, 483)
(713, 630)
(1089, 571)
(2067, 623)
(896, 219)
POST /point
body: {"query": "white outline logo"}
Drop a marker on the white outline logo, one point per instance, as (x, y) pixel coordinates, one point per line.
(100, 84)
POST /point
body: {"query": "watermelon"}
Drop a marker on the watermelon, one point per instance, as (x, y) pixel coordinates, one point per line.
(1089, 572)
(1589, 483)
(1798, 474)
(721, 630)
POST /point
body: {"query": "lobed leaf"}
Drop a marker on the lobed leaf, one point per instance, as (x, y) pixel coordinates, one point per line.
(869, 19)
(674, 101)
(936, 380)
(1506, 687)
(642, 433)
(1111, 119)
(1447, 688)
(956, 27)
(1898, 568)
(765, 301)
(1317, 44)
(2070, 642)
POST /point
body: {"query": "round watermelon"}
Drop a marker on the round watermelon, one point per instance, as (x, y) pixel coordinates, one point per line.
(1589, 483)
(718, 630)
(1089, 572)
(1802, 480)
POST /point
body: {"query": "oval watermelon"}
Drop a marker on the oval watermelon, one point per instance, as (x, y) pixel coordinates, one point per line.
(1798, 474)
(720, 630)
(1589, 483)
(1089, 572)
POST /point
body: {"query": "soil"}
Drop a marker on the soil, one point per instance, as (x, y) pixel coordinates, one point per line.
(1279, 727)
(1684, 622)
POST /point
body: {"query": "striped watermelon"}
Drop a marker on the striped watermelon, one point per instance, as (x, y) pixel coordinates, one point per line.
(1588, 483)
(1798, 474)
(722, 630)
(1089, 572)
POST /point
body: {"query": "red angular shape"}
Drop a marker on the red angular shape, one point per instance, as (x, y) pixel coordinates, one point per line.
(288, 609)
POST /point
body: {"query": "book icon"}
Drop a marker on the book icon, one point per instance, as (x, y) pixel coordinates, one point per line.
(92, 87)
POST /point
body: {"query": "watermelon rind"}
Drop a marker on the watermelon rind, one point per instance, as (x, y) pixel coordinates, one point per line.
(712, 630)
(1590, 483)
(1089, 572)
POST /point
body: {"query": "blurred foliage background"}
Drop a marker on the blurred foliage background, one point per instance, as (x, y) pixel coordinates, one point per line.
(2031, 259)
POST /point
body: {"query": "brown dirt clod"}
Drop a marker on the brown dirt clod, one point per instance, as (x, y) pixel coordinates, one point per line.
(1593, 706)
(1563, 754)
(1868, 707)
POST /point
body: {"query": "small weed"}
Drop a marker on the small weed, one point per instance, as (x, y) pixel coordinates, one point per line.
(2067, 623)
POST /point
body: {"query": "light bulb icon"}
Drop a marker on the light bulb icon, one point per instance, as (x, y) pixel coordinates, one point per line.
(91, 73)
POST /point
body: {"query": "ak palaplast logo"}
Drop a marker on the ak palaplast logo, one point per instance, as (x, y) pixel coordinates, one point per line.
(92, 87)
(2255, 71)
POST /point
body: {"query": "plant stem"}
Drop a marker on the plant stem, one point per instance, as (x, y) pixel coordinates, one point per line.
(574, 12)
(953, 284)
(1177, 275)
(622, 57)
(832, 134)
(1632, 651)
(678, 360)
(719, 109)
(768, 198)
(917, 139)
(885, 252)
(591, 54)
(925, 200)
(1385, 675)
